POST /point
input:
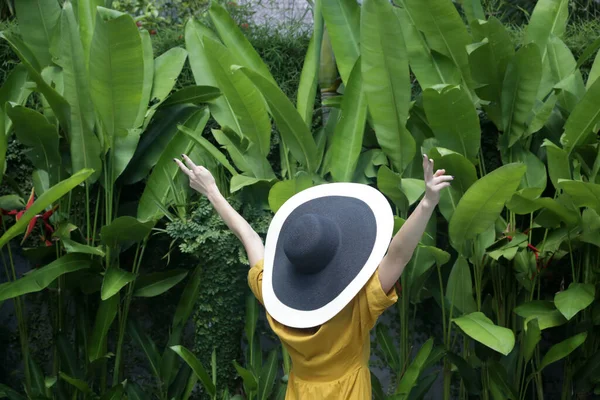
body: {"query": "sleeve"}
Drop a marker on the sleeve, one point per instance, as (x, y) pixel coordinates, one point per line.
(374, 301)
(255, 277)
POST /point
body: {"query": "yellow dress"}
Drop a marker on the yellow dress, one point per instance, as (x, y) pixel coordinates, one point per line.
(333, 363)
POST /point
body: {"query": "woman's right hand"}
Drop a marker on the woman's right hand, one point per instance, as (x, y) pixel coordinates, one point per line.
(201, 180)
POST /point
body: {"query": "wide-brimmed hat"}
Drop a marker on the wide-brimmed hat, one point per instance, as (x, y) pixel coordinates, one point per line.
(322, 247)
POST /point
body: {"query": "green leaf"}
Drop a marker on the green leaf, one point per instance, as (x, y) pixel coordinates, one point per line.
(415, 369)
(453, 119)
(444, 30)
(565, 74)
(543, 311)
(519, 90)
(390, 350)
(562, 349)
(193, 95)
(457, 165)
(156, 138)
(523, 205)
(125, 230)
(386, 81)
(549, 18)
(197, 367)
(468, 374)
(250, 382)
(242, 96)
(148, 54)
(481, 205)
(246, 156)
(473, 10)
(534, 181)
(533, 335)
(11, 202)
(558, 162)
(579, 128)
(167, 68)
(347, 139)
(235, 40)
(44, 201)
(251, 319)
(284, 190)
(76, 383)
(157, 283)
(267, 376)
(37, 20)
(480, 328)
(33, 130)
(86, 15)
(342, 19)
(147, 345)
(158, 190)
(59, 105)
(294, 132)
(116, 74)
(104, 319)
(389, 184)
(10, 394)
(594, 72)
(583, 194)
(541, 114)
(114, 280)
(199, 59)
(16, 88)
(459, 290)
(85, 147)
(430, 68)
(576, 298)
(115, 393)
(74, 247)
(309, 77)
(41, 278)
(209, 147)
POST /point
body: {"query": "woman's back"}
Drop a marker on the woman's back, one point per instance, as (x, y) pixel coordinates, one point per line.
(331, 363)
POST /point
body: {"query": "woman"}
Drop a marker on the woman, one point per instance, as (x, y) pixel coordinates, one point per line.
(326, 274)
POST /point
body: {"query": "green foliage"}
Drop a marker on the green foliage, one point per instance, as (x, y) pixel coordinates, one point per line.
(219, 314)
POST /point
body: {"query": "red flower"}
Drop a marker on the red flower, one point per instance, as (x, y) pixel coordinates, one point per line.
(244, 26)
(45, 217)
(153, 31)
(232, 4)
(180, 37)
(139, 24)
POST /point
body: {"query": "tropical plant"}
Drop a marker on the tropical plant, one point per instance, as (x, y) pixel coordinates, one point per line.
(109, 120)
(510, 227)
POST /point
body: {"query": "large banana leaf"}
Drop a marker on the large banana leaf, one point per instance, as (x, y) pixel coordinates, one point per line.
(157, 283)
(534, 180)
(482, 329)
(347, 139)
(342, 19)
(481, 205)
(523, 205)
(583, 194)
(104, 318)
(519, 92)
(114, 280)
(247, 157)
(192, 95)
(413, 371)
(148, 60)
(459, 290)
(45, 200)
(59, 105)
(233, 37)
(197, 367)
(284, 190)
(444, 30)
(565, 74)
(147, 345)
(37, 20)
(558, 162)
(562, 349)
(125, 229)
(156, 138)
(267, 376)
(294, 132)
(309, 77)
(195, 33)
(16, 89)
(39, 279)
(386, 80)
(473, 10)
(86, 15)
(453, 119)
(549, 17)
(242, 96)
(457, 165)
(579, 128)
(85, 147)
(167, 68)
(158, 190)
(116, 73)
(33, 130)
(430, 68)
(576, 298)
(594, 72)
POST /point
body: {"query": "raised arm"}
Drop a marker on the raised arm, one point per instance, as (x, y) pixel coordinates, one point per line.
(203, 182)
(406, 240)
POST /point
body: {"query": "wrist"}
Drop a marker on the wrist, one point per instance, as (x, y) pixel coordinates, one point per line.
(213, 193)
(427, 204)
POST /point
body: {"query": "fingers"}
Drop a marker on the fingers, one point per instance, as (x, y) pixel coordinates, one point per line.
(183, 167)
(443, 178)
(189, 162)
(444, 185)
(439, 172)
(427, 167)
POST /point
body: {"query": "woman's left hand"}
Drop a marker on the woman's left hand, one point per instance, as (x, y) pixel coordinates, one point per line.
(434, 182)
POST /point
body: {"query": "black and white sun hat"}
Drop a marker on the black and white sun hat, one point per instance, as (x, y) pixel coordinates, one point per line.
(322, 247)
